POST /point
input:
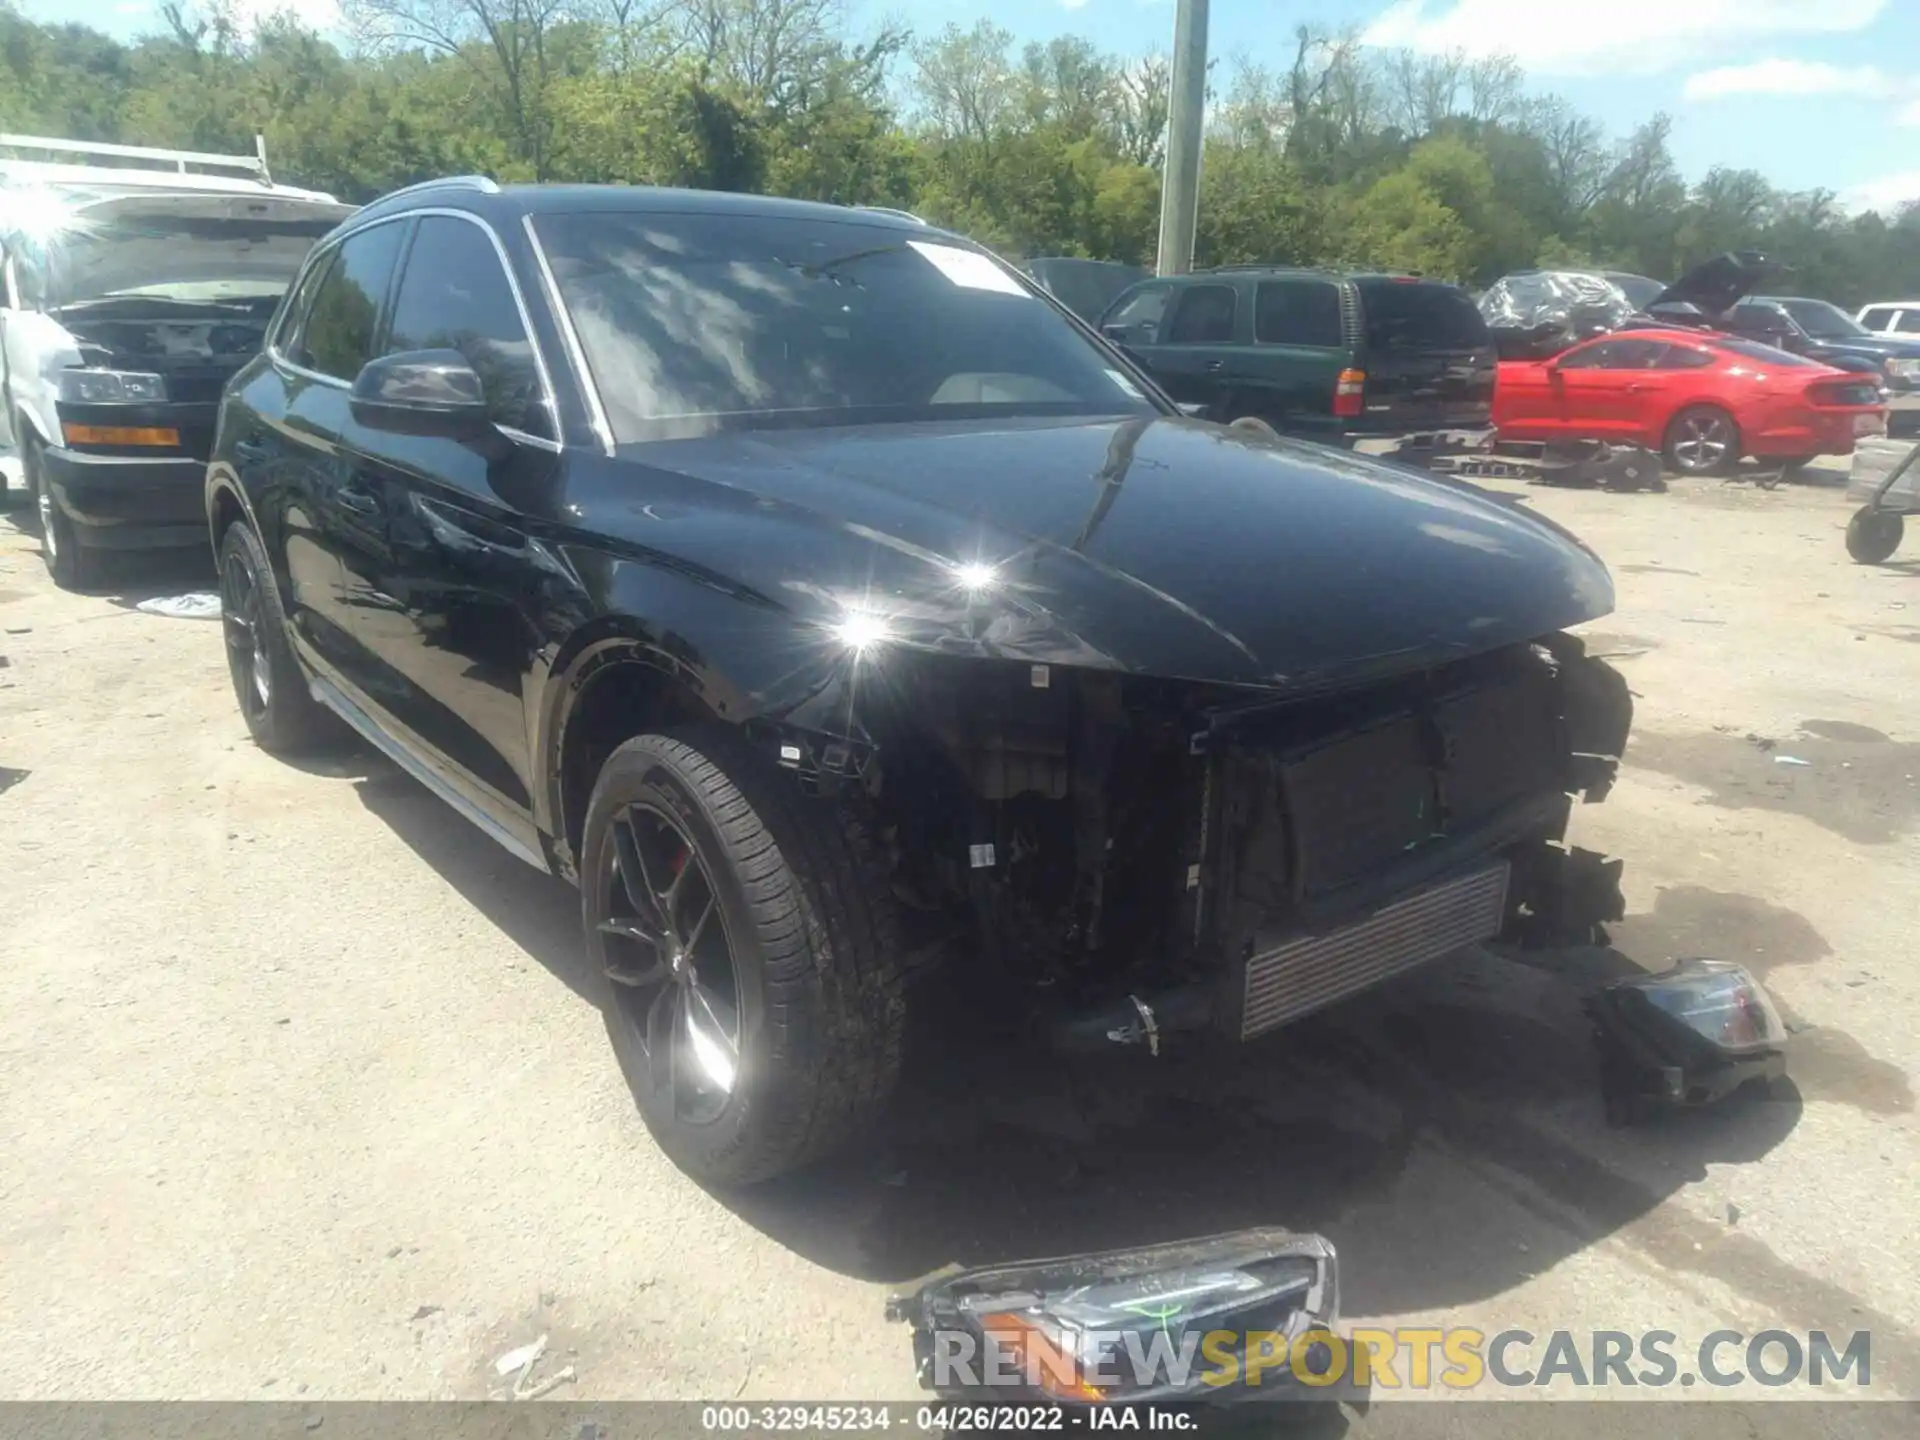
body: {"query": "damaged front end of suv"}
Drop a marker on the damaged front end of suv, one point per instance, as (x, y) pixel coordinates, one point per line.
(1140, 854)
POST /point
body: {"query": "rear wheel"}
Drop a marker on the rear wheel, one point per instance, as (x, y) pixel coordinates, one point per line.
(1873, 535)
(748, 946)
(1703, 440)
(281, 714)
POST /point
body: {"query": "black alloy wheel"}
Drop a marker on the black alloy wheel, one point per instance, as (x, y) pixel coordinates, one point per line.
(746, 950)
(671, 963)
(281, 715)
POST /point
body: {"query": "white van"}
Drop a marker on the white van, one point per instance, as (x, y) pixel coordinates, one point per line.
(1897, 318)
(131, 294)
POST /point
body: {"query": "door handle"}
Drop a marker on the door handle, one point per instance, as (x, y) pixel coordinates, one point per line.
(358, 501)
(251, 449)
(1214, 366)
(1638, 389)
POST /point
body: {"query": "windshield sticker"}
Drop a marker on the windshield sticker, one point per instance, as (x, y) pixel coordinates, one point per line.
(967, 269)
(1125, 384)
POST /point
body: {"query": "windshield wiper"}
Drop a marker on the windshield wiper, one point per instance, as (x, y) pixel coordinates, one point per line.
(221, 307)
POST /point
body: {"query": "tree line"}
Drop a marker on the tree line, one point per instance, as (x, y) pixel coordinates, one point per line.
(1323, 152)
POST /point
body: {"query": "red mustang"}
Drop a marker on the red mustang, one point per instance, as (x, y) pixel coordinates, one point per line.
(1702, 399)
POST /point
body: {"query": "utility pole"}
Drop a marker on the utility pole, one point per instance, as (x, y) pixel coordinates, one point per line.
(1186, 118)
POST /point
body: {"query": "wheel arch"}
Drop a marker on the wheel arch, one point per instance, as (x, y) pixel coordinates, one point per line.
(609, 683)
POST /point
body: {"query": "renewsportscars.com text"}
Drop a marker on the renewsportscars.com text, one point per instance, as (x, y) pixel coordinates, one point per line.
(1418, 1358)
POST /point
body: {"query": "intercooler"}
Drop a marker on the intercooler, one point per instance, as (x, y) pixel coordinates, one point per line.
(1311, 971)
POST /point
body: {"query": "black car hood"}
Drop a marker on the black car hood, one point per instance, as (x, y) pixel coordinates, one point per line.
(1870, 347)
(1157, 546)
(1719, 284)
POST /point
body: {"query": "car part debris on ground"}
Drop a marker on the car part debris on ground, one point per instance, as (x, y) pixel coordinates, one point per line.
(196, 605)
(1577, 464)
(1113, 1327)
(522, 1361)
(1684, 1037)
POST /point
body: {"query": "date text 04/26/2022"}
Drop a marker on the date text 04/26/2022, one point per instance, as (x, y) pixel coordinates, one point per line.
(937, 1419)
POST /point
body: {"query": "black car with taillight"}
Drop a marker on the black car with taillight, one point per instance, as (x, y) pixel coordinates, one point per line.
(1324, 355)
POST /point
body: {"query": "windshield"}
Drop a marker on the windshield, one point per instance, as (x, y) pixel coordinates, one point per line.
(1754, 350)
(1639, 290)
(1823, 321)
(696, 323)
(179, 259)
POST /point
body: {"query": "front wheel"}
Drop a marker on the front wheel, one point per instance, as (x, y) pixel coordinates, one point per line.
(749, 953)
(1873, 535)
(73, 564)
(1703, 440)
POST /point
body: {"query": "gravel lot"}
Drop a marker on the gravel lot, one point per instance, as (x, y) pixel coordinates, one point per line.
(299, 1097)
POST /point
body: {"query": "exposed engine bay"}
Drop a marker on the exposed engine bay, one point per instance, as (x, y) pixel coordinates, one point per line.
(1163, 855)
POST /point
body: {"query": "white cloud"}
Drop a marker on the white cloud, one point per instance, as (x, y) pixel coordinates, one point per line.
(1887, 194)
(1072, 4)
(1910, 115)
(1588, 37)
(132, 7)
(1788, 77)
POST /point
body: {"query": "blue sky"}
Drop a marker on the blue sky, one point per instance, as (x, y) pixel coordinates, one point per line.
(1812, 93)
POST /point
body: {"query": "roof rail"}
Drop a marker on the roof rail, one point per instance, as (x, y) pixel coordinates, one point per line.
(889, 210)
(254, 164)
(482, 183)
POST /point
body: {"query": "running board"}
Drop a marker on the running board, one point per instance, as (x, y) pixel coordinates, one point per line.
(335, 699)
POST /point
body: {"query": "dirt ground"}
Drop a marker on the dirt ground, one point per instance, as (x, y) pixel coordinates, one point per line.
(299, 1095)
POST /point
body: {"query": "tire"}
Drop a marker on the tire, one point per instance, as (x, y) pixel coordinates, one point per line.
(1254, 425)
(1702, 440)
(791, 958)
(268, 684)
(1873, 535)
(73, 564)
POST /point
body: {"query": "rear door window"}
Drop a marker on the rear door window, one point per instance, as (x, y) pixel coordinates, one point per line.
(1881, 319)
(1204, 316)
(1135, 320)
(1412, 315)
(1908, 323)
(338, 336)
(1297, 312)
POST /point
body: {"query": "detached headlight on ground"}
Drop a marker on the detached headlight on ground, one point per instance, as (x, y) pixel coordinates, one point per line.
(1224, 1319)
(111, 387)
(1686, 1036)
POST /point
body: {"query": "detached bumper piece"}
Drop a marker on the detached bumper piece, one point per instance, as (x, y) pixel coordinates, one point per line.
(1219, 1321)
(1577, 464)
(1687, 1036)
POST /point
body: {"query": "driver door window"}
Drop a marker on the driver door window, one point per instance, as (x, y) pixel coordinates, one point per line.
(454, 295)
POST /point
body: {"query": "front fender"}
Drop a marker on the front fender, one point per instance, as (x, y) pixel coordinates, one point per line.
(736, 656)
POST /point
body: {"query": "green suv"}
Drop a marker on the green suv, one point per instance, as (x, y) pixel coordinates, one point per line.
(1324, 355)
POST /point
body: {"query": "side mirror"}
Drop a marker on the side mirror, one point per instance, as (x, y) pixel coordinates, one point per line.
(421, 392)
